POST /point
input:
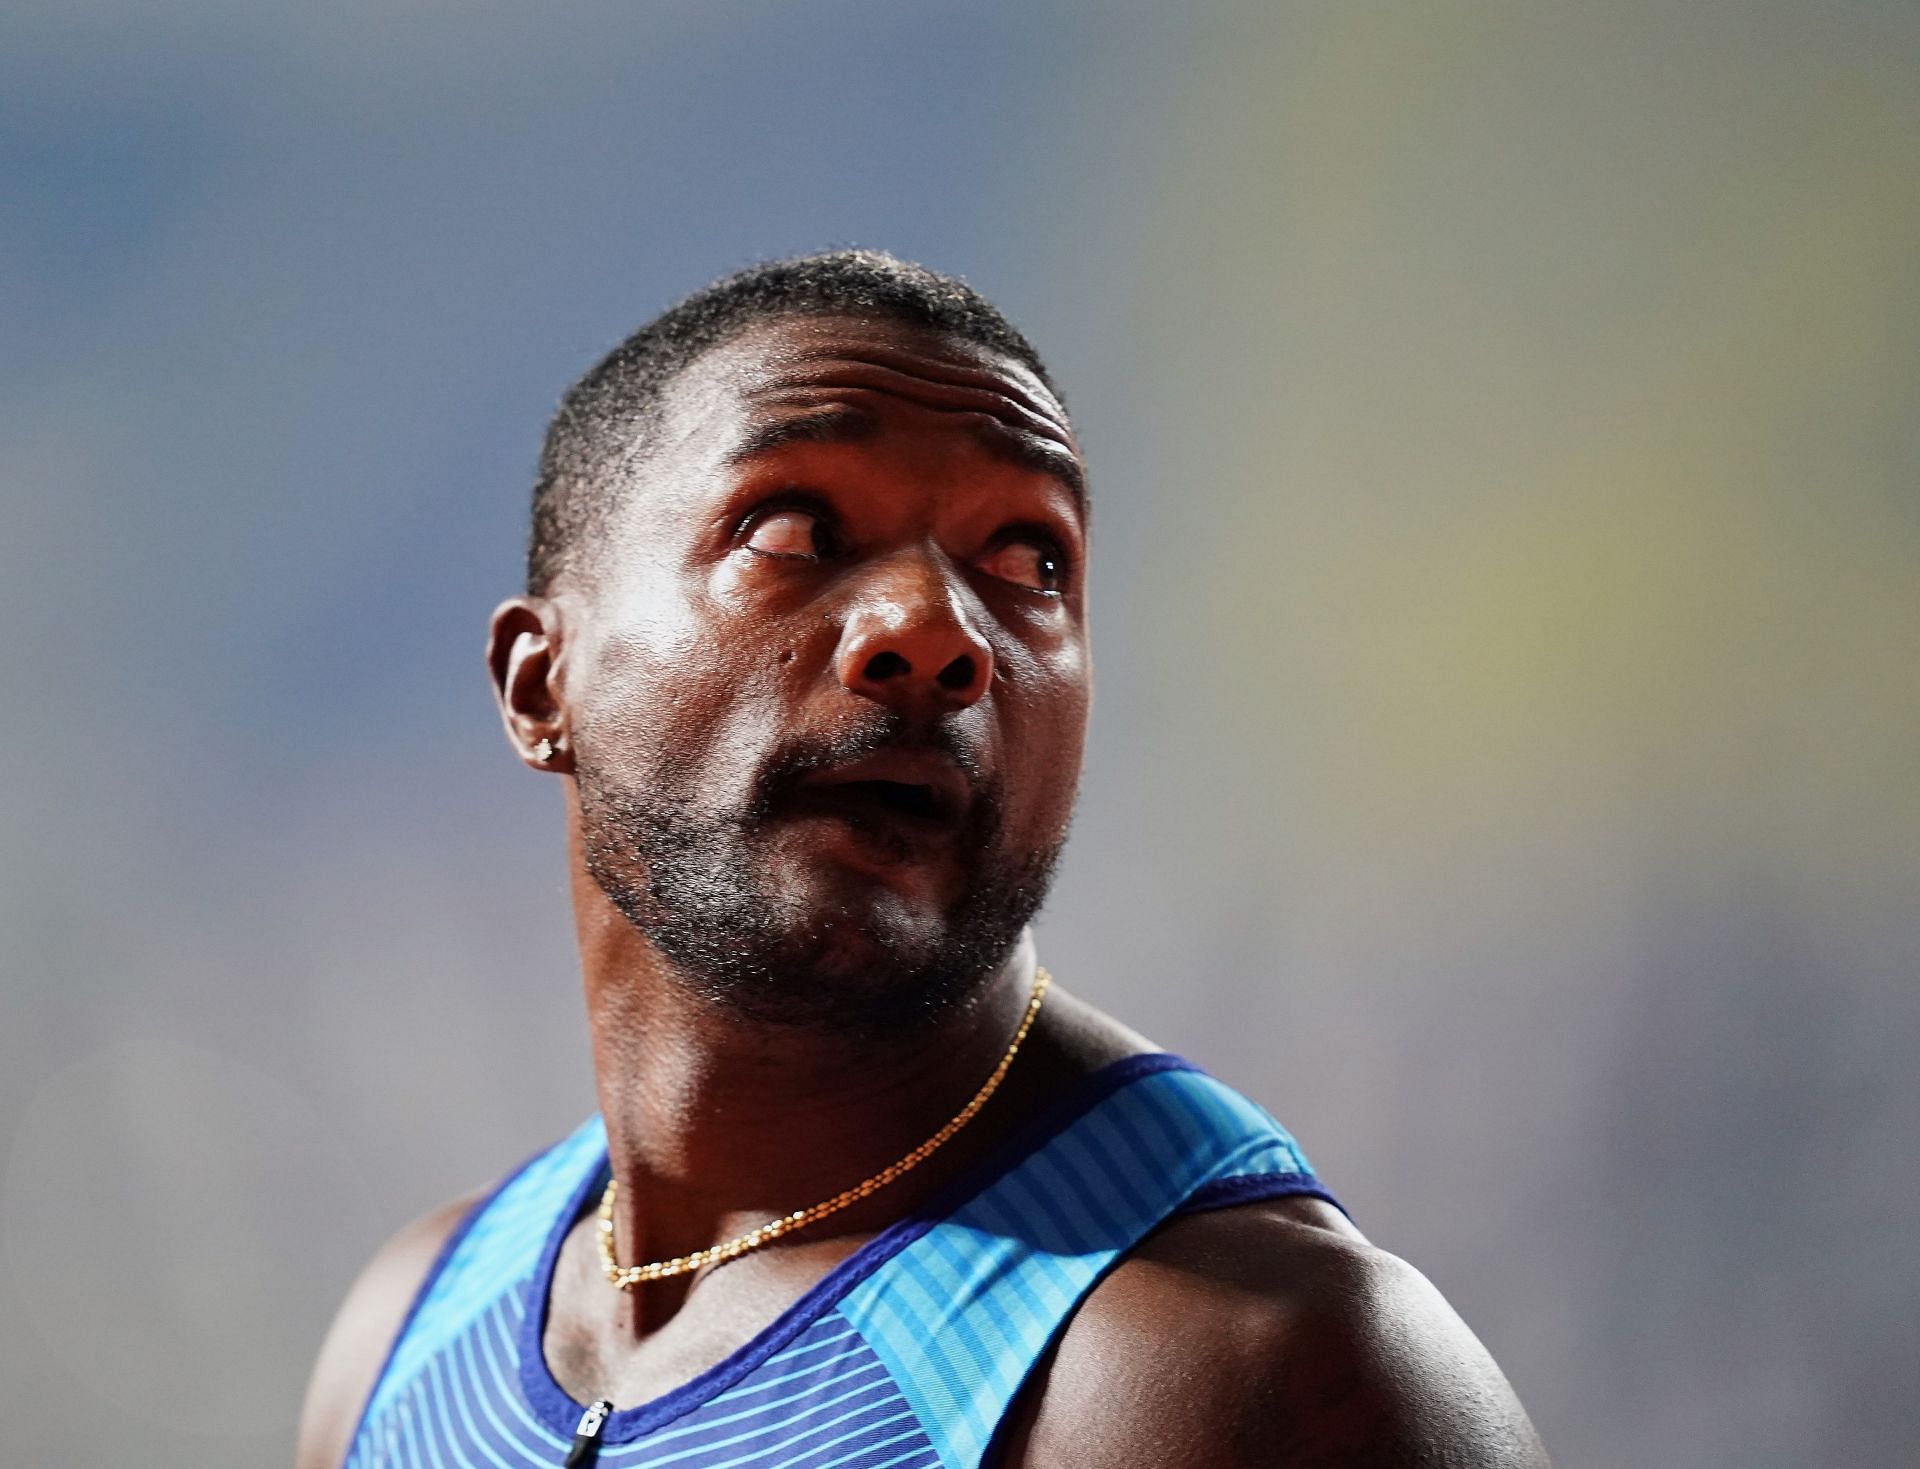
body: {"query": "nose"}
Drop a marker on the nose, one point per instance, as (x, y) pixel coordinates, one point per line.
(912, 642)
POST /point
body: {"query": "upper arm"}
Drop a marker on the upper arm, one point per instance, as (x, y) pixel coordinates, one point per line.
(1250, 1338)
(362, 1332)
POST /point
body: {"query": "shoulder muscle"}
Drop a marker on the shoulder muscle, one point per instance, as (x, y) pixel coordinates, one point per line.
(362, 1331)
(1270, 1335)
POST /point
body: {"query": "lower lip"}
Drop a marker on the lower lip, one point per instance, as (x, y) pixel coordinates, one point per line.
(873, 816)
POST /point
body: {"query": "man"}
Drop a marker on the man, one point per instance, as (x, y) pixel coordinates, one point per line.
(804, 638)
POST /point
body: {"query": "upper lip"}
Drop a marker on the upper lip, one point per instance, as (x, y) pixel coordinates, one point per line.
(945, 784)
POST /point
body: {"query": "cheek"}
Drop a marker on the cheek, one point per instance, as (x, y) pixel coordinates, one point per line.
(680, 700)
(690, 696)
(1048, 679)
(1046, 698)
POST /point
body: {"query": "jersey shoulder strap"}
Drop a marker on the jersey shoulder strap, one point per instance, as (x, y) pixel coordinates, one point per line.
(962, 1311)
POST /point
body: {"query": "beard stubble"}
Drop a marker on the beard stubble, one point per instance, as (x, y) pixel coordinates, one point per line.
(694, 881)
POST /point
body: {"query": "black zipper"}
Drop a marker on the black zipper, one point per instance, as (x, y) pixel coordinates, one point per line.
(586, 1438)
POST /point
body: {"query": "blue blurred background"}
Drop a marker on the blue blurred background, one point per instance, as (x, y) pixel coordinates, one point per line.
(1507, 761)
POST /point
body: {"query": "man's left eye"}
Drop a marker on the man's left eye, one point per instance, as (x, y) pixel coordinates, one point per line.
(790, 532)
(1024, 564)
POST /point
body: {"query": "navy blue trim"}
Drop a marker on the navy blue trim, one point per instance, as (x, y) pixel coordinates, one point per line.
(1224, 1193)
(556, 1408)
(441, 1256)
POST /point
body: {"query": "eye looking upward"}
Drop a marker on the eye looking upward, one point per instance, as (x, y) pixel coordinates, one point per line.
(793, 532)
(1022, 556)
(1028, 560)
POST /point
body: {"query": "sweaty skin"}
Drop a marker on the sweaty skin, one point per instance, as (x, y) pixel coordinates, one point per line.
(844, 524)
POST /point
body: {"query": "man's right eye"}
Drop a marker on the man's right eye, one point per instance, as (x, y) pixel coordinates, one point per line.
(790, 532)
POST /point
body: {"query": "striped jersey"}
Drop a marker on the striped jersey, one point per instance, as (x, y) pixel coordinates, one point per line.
(907, 1355)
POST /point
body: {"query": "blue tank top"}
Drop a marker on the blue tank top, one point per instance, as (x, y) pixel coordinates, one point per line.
(906, 1356)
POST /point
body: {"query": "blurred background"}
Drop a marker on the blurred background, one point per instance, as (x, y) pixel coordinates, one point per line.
(1507, 761)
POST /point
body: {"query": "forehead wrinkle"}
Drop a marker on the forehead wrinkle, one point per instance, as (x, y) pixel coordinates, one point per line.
(961, 390)
(1030, 451)
(836, 421)
(1002, 376)
(829, 423)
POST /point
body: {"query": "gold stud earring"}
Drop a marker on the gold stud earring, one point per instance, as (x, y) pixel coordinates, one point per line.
(543, 750)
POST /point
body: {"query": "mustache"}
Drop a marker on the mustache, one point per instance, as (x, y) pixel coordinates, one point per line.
(789, 766)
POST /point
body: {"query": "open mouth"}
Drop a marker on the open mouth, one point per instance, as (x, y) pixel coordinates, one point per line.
(899, 788)
(885, 797)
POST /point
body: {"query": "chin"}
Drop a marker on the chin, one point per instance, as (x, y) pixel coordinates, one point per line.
(875, 941)
(869, 873)
(848, 984)
(870, 961)
(817, 923)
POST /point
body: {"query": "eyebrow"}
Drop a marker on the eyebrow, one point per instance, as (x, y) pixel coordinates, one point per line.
(843, 423)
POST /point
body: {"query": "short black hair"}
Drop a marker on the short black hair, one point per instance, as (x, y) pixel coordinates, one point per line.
(607, 413)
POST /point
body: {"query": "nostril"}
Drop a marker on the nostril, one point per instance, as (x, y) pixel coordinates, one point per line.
(883, 666)
(957, 674)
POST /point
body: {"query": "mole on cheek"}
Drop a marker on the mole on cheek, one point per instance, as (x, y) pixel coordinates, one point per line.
(786, 655)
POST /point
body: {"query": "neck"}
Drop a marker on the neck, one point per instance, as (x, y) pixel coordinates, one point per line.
(717, 1123)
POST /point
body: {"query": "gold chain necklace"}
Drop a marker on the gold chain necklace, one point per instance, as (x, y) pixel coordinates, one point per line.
(626, 1277)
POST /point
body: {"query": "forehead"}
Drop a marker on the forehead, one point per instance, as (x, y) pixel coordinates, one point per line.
(842, 379)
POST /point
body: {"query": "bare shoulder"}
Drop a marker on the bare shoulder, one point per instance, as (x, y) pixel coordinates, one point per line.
(356, 1345)
(1274, 1335)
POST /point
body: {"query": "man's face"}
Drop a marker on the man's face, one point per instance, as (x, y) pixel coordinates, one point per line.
(828, 676)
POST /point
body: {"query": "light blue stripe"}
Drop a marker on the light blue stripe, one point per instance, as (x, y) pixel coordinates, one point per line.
(924, 1339)
(866, 1448)
(885, 1326)
(819, 1407)
(887, 1333)
(483, 1389)
(421, 1436)
(400, 1447)
(754, 1383)
(869, 1374)
(999, 1277)
(968, 1378)
(451, 1399)
(461, 1396)
(940, 1277)
(1109, 1150)
(493, 1255)
(1047, 1187)
(435, 1406)
(784, 1446)
(1155, 1144)
(473, 1388)
(1036, 1196)
(1190, 1130)
(383, 1444)
(922, 1451)
(494, 1386)
(992, 1219)
(756, 1387)
(981, 1267)
(1093, 1174)
(905, 1415)
(506, 1373)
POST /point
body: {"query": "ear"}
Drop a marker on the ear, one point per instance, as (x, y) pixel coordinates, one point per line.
(524, 641)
